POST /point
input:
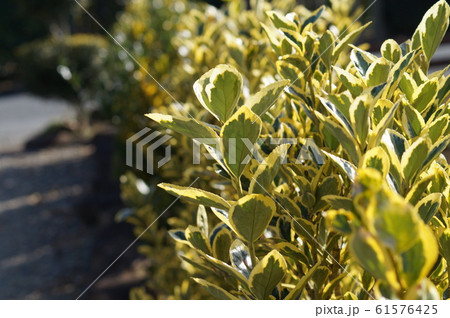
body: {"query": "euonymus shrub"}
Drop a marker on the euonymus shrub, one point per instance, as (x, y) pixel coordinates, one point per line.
(195, 37)
(358, 206)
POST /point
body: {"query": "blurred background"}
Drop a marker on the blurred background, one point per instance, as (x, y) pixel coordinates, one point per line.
(69, 98)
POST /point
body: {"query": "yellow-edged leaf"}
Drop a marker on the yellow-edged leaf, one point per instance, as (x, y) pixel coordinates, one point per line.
(250, 216)
(267, 274)
(239, 134)
(197, 196)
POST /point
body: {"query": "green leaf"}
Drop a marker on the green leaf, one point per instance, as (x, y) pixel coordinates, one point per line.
(202, 220)
(395, 145)
(243, 126)
(273, 36)
(221, 245)
(412, 121)
(216, 291)
(391, 51)
(338, 202)
(331, 185)
(424, 96)
(414, 158)
(326, 47)
(267, 274)
(297, 291)
(338, 115)
(359, 117)
(378, 72)
(436, 149)
(408, 86)
(444, 90)
(313, 18)
(300, 63)
(294, 38)
(218, 90)
(351, 82)
(348, 39)
(429, 206)
(185, 126)
(339, 220)
(292, 251)
(386, 121)
(304, 228)
(197, 239)
(291, 73)
(196, 196)
(378, 159)
(349, 144)
(280, 21)
(250, 216)
(432, 28)
(342, 102)
(222, 215)
(320, 277)
(371, 256)
(439, 182)
(418, 261)
(226, 269)
(395, 142)
(418, 189)
(178, 235)
(288, 205)
(438, 128)
(265, 98)
(362, 60)
(268, 170)
(444, 244)
(396, 74)
(346, 167)
(396, 223)
(240, 258)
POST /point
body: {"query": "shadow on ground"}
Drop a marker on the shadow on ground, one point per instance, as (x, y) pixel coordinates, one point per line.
(57, 228)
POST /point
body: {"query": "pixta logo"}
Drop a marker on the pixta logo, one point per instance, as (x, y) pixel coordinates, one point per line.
(141, 147)
(148, 141)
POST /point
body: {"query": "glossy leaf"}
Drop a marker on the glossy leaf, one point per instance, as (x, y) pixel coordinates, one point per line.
(359, 116)
(218, 90)
(377, 73)
(267, 274)
(202, 220)
(414, 157)
(424, 96)
(371, 256)
(268, 170)
(240, 258)
(243, 126)
(250, 216)
(391, 51)
(185, 126)
(429, 206)
(419, 259)
(266, 98)
(378, 159)
(198, 239)
(216, 291)
(196, 196)
(432, 28)
(221, 245)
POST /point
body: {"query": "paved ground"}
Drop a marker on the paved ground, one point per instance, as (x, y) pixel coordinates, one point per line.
(45, 247)
(54, 237)
(23, 115)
